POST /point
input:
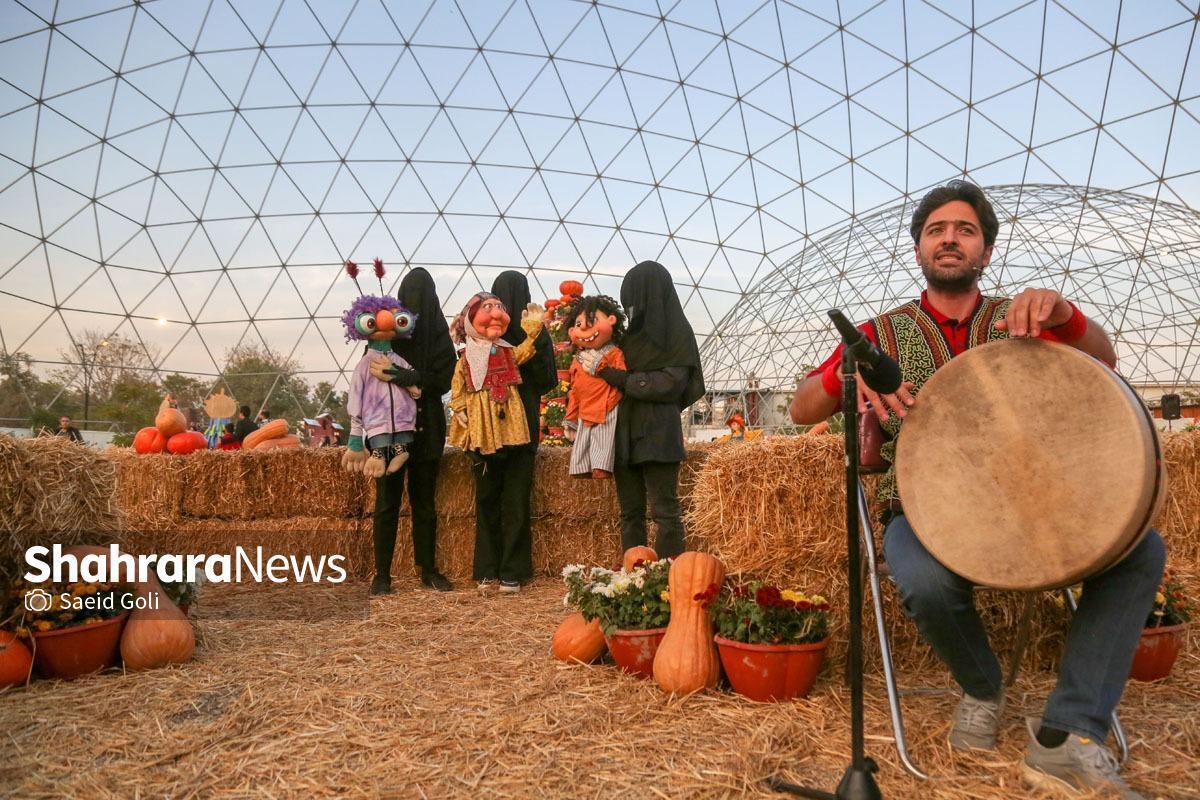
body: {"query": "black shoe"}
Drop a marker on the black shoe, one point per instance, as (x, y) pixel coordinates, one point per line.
(436, 581)
(382, 584)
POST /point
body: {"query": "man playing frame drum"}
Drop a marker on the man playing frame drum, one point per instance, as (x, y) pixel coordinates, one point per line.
(954, 229)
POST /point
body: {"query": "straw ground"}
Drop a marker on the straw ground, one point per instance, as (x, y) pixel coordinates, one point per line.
(454, 695)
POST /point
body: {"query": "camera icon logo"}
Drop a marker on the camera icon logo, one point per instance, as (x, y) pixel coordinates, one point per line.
(37, 601)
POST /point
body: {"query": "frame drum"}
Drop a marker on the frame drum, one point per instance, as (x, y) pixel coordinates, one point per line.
(1029, 465)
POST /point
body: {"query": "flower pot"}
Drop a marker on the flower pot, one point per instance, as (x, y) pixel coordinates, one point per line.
(634, 650)
(767, 672)
(1156, 652)
(555, 430)
(564, 374)
(67, 653)
(186, 608)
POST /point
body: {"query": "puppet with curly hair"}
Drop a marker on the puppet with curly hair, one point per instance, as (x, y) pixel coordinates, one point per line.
(382, 415)
(596, 327)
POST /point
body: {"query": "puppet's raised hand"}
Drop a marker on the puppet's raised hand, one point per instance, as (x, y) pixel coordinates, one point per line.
(533, 313)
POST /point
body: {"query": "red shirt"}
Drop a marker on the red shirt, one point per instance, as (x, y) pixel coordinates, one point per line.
(955, 331)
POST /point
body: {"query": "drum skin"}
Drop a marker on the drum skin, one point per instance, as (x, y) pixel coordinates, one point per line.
(1027, 464)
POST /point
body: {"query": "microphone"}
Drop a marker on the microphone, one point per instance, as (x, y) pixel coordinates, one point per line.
(880, 373)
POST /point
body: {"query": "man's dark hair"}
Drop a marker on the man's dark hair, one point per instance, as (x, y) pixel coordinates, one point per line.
(229, 427)
(592, 303)
(266, 412)
(245, 411)
(970, 194)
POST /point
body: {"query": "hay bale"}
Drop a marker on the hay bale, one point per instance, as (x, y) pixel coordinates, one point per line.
(149, 488)
(775, 509)
(53, 491)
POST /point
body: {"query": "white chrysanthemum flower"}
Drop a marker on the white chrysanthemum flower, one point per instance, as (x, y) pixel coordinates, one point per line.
(572, 570)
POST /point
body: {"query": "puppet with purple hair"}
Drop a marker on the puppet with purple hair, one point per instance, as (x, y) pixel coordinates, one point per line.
(382, 415)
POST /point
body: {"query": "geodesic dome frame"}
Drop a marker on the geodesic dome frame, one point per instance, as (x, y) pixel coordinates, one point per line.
(190, 176)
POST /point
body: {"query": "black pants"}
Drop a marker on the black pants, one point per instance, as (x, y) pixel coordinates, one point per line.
(658, 483)
(503, 539)
(422, 490)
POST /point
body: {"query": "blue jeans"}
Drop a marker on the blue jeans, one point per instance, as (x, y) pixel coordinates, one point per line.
(1101, 640)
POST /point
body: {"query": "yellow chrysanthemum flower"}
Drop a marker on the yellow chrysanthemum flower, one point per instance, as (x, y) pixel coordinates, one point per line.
(792, 596)
(1160, 598)
(666, 596)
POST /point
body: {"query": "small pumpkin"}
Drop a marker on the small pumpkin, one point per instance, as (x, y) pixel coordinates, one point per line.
(576, 639)
(270, 430)
(571, 288)
(551, 303)
(687, 660)
(282, 443)
(187, 442)
(158, 634)
(15, 660)
(149, 440)
(170, 420)
(636, 554)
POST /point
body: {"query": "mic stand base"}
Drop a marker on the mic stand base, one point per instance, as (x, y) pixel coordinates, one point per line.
(858, 783)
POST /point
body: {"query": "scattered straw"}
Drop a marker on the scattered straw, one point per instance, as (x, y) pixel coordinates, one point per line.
(455, 696)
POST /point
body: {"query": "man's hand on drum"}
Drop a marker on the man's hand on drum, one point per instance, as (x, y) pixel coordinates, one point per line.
(1034, 310)
(898, 401)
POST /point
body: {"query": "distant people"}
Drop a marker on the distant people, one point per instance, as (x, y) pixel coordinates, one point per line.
(229, 440)
(245, 426)
(65, 428)
(737, 426)
(264, 416)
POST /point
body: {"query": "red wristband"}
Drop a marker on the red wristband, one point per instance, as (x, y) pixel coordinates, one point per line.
(831, 379)
(1070, 331)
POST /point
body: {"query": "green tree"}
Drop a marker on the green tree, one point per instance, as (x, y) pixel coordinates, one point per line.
(132, 403)
(22, 391)
(263, 378)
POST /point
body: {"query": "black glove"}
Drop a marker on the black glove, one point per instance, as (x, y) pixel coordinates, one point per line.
(614, 377)
(401, 376)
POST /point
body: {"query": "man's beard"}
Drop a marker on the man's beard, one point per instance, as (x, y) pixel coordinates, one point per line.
(956, 283)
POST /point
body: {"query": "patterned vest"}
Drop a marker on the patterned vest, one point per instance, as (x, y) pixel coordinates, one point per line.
(914, 338)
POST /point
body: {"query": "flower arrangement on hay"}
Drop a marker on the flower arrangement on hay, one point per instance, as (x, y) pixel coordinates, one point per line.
(54, 606)
(771, 640)
(759, 613)
(1171, 605)
(625, 599)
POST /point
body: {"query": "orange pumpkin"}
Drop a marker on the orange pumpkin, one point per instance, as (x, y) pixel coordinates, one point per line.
(551, 303)
(158, 634)
(271, 430)
(635, 554)
(576, 639)
(687, 659)
(15, 660)
(571, 288)
(149, 440)
(187, 442)
(170, 420)
(282, 443)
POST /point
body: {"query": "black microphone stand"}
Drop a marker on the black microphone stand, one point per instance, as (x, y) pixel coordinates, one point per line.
(858, 782)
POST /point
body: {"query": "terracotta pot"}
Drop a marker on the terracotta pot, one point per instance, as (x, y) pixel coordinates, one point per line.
(1156, 652)
(634, 650)
(555, 431)
(186, 608)
(767, 672)
(564, 374)
(67, 653)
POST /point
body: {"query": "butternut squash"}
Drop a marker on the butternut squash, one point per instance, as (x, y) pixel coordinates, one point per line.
(170, 420)
(576, 639)
(687, 659)
(636, 554)
(158, 634)
(271, 430)
(282, 443)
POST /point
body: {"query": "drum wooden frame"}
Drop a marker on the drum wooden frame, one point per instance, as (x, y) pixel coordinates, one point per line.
(1027, 464)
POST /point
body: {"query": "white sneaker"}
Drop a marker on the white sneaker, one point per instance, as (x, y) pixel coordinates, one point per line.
(509, 587)
(1077, 765)
(488, 585)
